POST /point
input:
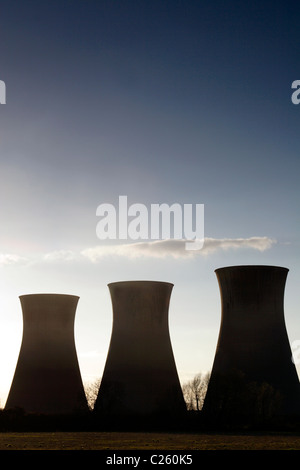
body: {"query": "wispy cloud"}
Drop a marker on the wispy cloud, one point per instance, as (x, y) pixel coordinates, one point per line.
(256, 243)
(175, 248)
(60, 255)
(7, 259)
(151, 249)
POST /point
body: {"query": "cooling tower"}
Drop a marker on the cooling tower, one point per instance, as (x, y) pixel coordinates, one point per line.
(47, 378)
(253, 346)
(140, 376)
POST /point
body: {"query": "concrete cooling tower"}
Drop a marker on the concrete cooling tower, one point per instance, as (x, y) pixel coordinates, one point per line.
(47, 378)
(140, 376)
(253, 343)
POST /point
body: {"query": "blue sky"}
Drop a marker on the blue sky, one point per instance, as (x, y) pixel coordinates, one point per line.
(162, 101)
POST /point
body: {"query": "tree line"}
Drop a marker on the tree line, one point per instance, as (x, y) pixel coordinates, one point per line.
(193, 390)
(236, 404)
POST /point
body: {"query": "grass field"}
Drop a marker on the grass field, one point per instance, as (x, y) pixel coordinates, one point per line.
(144, 441)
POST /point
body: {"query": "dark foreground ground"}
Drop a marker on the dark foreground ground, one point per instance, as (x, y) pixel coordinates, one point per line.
(144, 441)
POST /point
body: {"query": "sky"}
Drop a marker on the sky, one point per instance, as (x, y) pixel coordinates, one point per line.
(166, 101)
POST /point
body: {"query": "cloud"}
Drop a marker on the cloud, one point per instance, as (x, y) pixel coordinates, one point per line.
(256, 243)
(11, 259)
(175, 248)
(158, 249)
(60, 255)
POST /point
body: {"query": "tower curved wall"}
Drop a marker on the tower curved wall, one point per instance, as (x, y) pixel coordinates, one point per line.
(140, 376)
(47, 377)
(253, 341)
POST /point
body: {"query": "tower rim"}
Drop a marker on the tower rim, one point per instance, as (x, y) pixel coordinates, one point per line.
(254, 266)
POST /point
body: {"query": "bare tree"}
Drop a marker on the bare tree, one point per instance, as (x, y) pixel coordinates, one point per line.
(194, 391)
(91, 391)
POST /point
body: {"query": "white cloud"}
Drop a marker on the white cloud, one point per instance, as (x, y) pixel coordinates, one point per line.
(175, 248)
(152, 249)
(9, 259)
(60, 255)
(256, 243)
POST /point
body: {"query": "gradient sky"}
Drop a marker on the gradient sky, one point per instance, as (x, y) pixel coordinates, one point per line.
(162, 101)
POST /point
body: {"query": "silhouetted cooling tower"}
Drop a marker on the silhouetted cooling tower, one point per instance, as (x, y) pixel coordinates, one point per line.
(253, 345)
(140, 376)
(47, 378)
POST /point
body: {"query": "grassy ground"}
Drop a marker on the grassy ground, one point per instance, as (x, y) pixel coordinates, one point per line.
(144, 441)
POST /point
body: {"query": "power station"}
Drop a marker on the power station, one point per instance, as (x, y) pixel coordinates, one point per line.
(253, 358)
(253, 344)
(140, 376)
(47, 378)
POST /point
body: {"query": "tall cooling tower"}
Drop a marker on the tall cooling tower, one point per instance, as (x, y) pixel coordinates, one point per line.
(47, 378)
(253, 343)
(140, 376)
